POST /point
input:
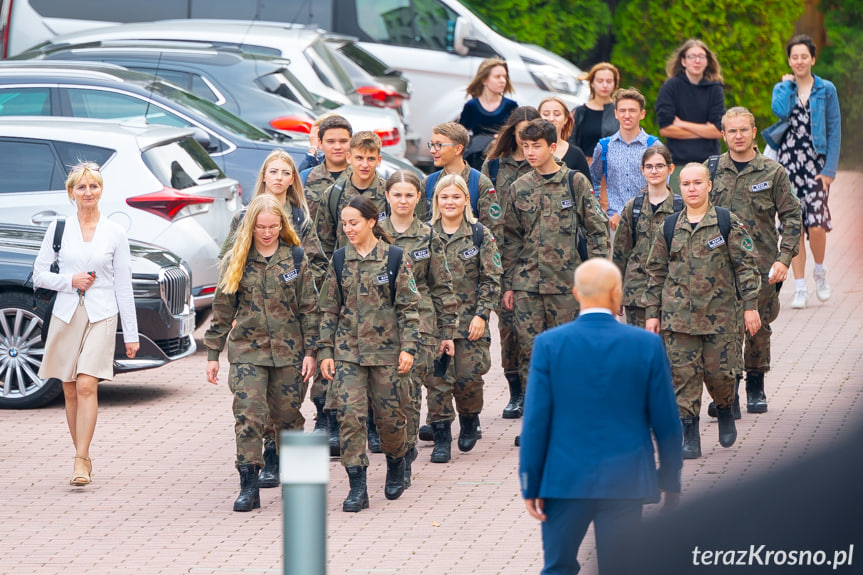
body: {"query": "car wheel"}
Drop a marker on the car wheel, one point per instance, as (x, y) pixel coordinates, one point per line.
(21, 353)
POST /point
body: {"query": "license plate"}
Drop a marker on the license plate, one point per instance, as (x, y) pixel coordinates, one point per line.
(188, 325)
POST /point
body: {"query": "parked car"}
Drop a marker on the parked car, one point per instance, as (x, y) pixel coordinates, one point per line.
(163, 302)
(311, 60)
(437, 44)
(160, 185)
(261, 89)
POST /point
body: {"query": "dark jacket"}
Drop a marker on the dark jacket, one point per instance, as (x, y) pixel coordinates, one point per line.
(699, 103)
(609, 126)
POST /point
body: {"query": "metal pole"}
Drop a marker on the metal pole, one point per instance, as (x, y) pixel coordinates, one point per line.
(304, 469)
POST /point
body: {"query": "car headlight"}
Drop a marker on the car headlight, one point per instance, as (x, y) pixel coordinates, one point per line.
(552, 79)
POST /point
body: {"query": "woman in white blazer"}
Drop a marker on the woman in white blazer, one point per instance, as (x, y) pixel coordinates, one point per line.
(93, 285)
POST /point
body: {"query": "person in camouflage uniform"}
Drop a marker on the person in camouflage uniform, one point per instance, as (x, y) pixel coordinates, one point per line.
(334, 136)
(692, 295)
(631, 247)
(273, 344)
(471, 253)
(758, 190)
(438, 304)
(368, 338)
(546, 210)
(447, 145)
(504, 165)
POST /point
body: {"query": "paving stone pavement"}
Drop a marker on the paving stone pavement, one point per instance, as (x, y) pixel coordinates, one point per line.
(164, 482)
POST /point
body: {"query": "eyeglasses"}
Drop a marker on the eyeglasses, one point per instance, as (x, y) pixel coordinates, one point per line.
(654, 167)
(696, 57)
(436, 146)
(262, 229)
(92, 166)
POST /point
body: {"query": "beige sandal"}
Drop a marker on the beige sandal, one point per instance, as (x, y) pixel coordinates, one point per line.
(79, 479)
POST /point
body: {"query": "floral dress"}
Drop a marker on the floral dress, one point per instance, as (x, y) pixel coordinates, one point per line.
(799, 158)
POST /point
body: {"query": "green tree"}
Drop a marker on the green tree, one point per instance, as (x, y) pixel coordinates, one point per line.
(569, 28)
(841, 63)
(748, 37)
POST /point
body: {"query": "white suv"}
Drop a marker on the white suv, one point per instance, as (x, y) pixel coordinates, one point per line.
(160, 185)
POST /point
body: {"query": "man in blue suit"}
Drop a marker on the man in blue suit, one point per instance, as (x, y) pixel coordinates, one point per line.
(597, 388)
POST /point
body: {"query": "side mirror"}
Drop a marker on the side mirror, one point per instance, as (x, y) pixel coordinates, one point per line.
(462, 29)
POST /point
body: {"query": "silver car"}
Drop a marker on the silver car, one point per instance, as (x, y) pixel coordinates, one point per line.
(160, 185)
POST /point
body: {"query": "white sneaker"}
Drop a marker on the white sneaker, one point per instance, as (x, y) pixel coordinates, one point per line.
(800, 298)
(822, 288)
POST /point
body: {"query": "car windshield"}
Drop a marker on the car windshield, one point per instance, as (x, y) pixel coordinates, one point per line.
(327, 67)
(209, 111)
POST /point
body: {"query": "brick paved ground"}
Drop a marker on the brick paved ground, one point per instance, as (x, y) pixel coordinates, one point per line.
(164, 480)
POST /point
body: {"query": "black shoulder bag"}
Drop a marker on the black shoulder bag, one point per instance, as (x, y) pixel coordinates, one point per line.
(47, 297)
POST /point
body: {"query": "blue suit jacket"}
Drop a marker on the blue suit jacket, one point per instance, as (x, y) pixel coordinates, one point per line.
(595, 391)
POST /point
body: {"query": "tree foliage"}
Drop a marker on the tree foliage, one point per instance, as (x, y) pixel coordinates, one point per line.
(569, 28)
(748, 37)
(841, 63)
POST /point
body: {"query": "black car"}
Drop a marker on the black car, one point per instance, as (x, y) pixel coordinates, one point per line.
(163, 301)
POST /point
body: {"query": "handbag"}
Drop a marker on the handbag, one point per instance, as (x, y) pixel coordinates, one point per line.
(774, 134)
(47, 297)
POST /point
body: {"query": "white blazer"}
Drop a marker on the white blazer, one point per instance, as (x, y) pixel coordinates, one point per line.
(109, 257)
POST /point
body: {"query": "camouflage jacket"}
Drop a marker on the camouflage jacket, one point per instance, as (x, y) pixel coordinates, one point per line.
(438, 307)
(308, 241)
(488, 204)
(756, 196)
(367, 327)
(317, 182)
(276, 308)
(509, 170)
(695, 284)
(476, 273)
(540, 243)
(631, 258)
(329, 225)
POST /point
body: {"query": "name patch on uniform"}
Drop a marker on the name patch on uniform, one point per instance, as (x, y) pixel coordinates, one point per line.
(421, 254)
(761, 187)
(566, 204)
(382, 216)
(715, 242)
(383, 279)
(470, 253)
(290, 276)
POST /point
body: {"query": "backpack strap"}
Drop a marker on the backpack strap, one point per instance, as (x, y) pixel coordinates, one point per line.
(338, 264)
(394, 262)
(712, 164)
(431, 181)
(478, 234)
(473, 190)
(336, 197)
(651, 139)
(579, 241)
(723, 218)
(637, 204)
(57, 242)
(298, 254)
(299, 221)
(668, 229)
(493, 168)
(604, 143)
(304, 175)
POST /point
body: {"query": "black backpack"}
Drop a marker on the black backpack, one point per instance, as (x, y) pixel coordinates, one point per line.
(394, 261)
(638, 204)
(582, 240)
(723, 218)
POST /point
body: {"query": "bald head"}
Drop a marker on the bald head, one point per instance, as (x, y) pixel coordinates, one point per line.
(598, 284)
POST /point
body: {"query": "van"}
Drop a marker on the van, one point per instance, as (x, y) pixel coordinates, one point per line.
(437, 44)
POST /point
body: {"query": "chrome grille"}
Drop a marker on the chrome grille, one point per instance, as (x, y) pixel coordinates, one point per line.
(175, 289)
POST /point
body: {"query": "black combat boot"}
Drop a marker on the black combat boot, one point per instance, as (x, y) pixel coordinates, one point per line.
(333, 433)
(395, 483)
(727, 429)
(756, 401)
(270, 473)
(691, 438)
(320, 416)
(442, 441)
(373, 436)
(426, 433)
(358, 497)
(410, 457)
(250, 496)
(467, 434)
(515, 408)
(735, 407)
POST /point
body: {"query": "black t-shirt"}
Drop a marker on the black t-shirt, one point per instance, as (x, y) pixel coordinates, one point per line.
(741, 165)
(591, 131)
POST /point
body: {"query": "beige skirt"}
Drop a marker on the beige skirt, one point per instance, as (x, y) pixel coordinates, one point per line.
(79, 347)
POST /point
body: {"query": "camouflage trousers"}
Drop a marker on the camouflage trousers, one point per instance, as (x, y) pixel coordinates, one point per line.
(756, 348)
(264, 394)
(463, 381)
(712, 359)
(421, 376)
(353, 390)
(534, 314)
(508, 340)
(635, 316)
(319, 385)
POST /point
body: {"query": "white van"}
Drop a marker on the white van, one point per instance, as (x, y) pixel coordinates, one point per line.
(437, 44)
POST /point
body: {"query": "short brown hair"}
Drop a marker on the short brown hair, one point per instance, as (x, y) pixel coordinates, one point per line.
(628, 94)
(539, 129)
(334, 122)
(454, 131)
(366, 141)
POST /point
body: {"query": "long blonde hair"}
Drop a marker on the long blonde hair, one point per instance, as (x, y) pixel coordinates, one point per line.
(446, 181)
(295, 194)
(234, 265)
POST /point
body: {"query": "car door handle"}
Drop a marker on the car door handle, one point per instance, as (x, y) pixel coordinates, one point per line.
(44, 218)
